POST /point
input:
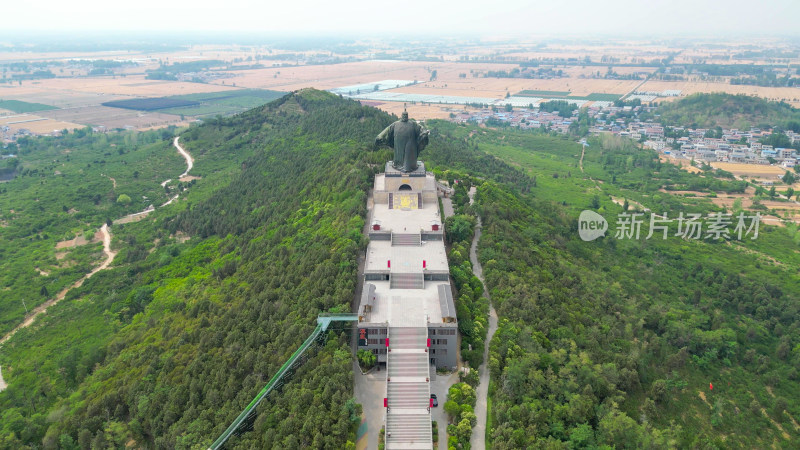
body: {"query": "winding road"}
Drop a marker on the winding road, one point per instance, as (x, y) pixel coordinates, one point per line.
(478, 439)
(186, 156)
(141, 214)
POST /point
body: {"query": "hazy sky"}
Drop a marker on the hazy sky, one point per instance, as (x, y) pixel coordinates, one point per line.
(682, 17)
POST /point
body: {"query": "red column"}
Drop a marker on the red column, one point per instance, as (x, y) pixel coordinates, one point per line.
(385, 402)
(387, 342)
(389, 263)
(424, 264)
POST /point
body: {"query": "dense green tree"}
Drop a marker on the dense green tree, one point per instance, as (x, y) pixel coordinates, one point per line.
(179, 337)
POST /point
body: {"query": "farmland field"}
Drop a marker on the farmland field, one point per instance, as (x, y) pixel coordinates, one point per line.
(535, 93)
(150, 104)
(35, 123)
(130, 85)
(583, 68)
(329, 76)
(417, 111)
(498, 87)
(594, 97)
(203, 104)
(80, 99)
(224, 103)
(759, 171)
(112, 118)
(18, 106)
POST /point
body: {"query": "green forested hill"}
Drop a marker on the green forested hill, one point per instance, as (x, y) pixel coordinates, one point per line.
(66, 187)
(165, 349)
(728, 111)
(605, 343)
(616, 342)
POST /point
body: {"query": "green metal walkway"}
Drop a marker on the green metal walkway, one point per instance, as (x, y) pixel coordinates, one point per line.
(323, 322)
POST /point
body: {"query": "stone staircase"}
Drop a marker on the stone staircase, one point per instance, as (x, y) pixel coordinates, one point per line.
(406, 239)
(408, 418)
(406, 280)
(408, 431)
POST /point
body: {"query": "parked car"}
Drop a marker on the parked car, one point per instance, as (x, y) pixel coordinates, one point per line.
(435, 400)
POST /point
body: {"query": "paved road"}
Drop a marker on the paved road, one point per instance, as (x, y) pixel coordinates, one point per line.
(447, 206)
(440, 384)
(477, 441)
(370, 389)
(362, 261)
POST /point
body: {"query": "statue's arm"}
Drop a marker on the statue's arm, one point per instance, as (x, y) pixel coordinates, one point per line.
(386, 137)
(422, 140)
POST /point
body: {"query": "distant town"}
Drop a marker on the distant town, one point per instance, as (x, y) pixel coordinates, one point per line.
(739, 146)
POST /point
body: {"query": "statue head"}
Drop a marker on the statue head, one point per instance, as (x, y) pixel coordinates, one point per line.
(404, 116)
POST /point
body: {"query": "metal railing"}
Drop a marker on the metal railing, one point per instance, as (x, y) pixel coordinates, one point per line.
(323, 322)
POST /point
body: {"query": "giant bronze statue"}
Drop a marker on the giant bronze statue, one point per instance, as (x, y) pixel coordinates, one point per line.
(408, 139)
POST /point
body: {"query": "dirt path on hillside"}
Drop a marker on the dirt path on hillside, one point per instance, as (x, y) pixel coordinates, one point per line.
(106, 233)
(583, 152)
(113, 181)
(182, 177)
(186, 156)
(43, 307)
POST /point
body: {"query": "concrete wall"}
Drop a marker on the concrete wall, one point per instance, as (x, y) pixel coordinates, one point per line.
(417, 183)
(443, 350)
(444, 347)
(376, 340)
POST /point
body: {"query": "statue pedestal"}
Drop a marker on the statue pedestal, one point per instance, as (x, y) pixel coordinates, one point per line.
(391, 171)
(397, 180)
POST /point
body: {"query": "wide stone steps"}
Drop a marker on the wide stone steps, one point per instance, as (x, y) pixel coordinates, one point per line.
(409, 365)
(409, 395)
(408, 342)
(408, 419)
(409, 430)
(406, 239)
(408, 280)
(408, 338)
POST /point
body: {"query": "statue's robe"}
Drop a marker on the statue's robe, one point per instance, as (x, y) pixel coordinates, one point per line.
(407, 139)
